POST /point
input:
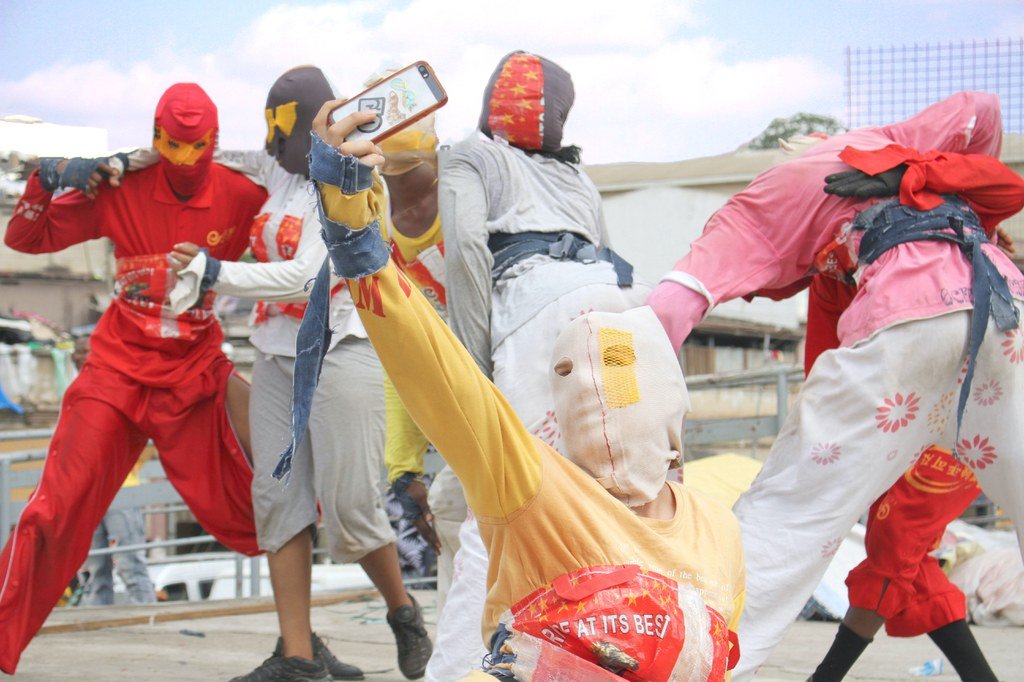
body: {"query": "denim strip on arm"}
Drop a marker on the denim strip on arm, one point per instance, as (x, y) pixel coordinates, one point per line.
(353, 252)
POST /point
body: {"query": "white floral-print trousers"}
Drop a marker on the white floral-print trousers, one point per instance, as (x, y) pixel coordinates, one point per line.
(863, 417)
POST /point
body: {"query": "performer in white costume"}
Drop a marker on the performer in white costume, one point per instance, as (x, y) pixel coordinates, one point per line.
(526, 253)
(339, 464)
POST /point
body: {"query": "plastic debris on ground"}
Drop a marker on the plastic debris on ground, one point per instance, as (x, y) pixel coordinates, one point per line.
(932, 668)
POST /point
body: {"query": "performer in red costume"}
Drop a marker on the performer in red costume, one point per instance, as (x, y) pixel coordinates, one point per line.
(151, 374)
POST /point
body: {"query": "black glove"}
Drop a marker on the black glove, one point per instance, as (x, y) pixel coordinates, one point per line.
(860, 185)
(77, 171)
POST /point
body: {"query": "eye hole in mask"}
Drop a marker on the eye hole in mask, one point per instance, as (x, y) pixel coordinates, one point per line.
(563, 367)
(180, 152)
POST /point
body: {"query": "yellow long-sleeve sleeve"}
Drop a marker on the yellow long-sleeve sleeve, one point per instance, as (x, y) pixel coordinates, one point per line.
(405, 445)
(462, 413)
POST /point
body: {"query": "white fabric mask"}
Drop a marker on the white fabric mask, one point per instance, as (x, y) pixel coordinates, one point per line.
(621, 402)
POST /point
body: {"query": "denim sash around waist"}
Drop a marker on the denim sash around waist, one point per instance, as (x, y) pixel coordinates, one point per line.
(509, 249)
(889, 223)
(499, 663)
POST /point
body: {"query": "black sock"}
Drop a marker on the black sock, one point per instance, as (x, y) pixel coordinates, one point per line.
(959, 646)
(846, 649)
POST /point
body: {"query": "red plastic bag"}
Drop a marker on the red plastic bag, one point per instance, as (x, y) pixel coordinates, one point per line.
(620, 618)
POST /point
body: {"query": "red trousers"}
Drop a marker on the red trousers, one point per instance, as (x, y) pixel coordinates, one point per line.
(105, 421)
(900, 580)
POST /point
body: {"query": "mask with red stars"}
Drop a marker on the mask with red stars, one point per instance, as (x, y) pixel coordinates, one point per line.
(527, 101)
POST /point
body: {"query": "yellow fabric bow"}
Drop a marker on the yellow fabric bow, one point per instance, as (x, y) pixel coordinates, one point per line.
(282, 117)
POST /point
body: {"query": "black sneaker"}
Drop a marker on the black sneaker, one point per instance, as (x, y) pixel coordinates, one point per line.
(337, 669)
(291, 669)
(414, 647)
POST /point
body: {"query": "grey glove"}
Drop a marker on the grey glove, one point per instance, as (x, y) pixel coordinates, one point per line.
(77, 171)
(860, 185)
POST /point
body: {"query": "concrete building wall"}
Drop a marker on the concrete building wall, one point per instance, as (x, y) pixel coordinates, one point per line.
(653, 227)
(66, 303)
(58, 286)
(29, 136)
(90, 259)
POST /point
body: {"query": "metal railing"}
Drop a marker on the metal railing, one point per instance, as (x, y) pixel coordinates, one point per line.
(710, 431)
(153, 493)
(155, 496)
(157, 492)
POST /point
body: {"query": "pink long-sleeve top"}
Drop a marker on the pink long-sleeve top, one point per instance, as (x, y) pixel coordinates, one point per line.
(766, 237)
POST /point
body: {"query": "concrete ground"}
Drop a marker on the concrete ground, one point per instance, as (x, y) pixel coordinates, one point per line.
(218, 640)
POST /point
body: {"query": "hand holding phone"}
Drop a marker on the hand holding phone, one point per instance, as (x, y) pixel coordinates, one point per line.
(334, 133)
(397, 101)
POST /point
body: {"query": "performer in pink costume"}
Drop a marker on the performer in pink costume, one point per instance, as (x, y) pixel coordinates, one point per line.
(870, 407)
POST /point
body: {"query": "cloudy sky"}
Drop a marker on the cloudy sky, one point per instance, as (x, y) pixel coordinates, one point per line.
(656, 80)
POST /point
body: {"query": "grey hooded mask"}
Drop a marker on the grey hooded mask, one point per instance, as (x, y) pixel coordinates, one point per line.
(292, 103)
(526, 102)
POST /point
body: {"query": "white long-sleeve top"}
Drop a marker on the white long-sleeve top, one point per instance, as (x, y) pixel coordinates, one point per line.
(286, 240)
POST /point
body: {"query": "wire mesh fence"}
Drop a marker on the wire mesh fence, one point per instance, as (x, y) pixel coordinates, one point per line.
(887, 84)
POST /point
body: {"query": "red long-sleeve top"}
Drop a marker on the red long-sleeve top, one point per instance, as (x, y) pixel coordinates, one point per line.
(138, 334)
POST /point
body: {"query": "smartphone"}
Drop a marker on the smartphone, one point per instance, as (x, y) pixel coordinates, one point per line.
(400, 100)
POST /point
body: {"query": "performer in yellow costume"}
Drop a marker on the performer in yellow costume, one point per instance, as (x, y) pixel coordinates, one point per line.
(599, 566)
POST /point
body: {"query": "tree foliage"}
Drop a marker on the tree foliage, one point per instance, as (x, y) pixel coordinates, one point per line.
(797, 124)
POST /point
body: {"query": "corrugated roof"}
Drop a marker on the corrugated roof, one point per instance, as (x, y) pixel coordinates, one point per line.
(740, 166)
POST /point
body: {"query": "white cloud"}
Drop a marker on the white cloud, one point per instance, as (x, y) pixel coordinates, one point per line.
(642, 91)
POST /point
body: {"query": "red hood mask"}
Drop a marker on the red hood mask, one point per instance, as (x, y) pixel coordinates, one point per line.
(185, 134)
(527, 101)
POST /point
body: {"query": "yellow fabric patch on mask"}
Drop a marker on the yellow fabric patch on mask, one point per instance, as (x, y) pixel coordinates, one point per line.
(281, 117)
(618, 367)
(179, 152)
(409, 140)
(408, 149)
